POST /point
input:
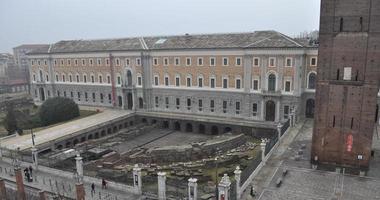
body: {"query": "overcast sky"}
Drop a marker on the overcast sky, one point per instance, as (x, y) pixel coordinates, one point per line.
(48, 21)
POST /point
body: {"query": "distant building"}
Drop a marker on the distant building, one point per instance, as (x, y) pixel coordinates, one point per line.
(348, 83)
(11, 78)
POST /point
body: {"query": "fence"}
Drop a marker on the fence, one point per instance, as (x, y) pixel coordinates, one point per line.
(250, 168)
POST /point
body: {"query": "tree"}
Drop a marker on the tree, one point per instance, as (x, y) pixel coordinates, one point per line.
(10, 121)
(58, 109)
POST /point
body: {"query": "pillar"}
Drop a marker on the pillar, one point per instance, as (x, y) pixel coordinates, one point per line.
(237, 173)
(263, 144)
(79, 166)
(3, 191)
(137, 183)
(19, 184)
(42, 195)
(291, 119)
(161, 185)
(35, 157)
(80, 191)
(279, 126)
(224, 188)
(192, 185)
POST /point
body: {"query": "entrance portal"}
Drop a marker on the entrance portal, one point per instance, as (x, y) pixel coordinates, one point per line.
(129, 101)
(270, 111)
(42, 94)
(310, 103)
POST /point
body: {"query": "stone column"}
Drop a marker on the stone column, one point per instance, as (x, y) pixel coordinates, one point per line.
(291, 119)
(237, 173)
(263, 145)
(80, 191)
(79, 165)
(137, 183)
(279, 126)
(42, 195)
(192, 188)
(3, 191)
(224, 188)
(20, 184)
(35, 157)
(161, 185)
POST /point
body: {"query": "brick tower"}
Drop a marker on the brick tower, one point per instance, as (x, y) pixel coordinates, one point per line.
(348, 82)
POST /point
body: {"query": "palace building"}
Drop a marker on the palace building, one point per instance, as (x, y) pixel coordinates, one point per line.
(259, 76)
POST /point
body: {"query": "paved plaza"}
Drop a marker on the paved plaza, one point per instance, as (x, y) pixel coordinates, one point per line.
(63, 130)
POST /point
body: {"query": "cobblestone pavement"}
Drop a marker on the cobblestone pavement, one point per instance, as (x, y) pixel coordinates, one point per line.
(64, 185)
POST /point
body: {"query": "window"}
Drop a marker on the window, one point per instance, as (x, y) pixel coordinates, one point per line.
(68, 62)
(271, 82)
(238, 83)
(286, 111)
(100, 79)
(311, 81)
(71, 94)
(177, 61)
(92, 79)
(225, 61)
(78, 96)
(200, 105)
(188, 104)
(138, 61)
(254, 109)
(225, 83)
(237, 107)
(62, 62)
(93, 97)
(108, 79)
(155, 61)
(85, 78)
(76, 62)
(287, 86)
(313, 61)
(99, 61)
(83, 62)
(212, 82)
(255, 85)
(58, 93)
(47, 78)
(200, 61)
(127, 62)
(288, 62)
(139, 81)
(91, 61)
(101, 97)
(56, 77)
(224, 106)
(212, 105)
(166, 61)
(70, 78)
(177, 81)
(188, 81)
(156, 101)
(63, 78)
(117, 60)
(238, 61)
(45, 62)
(77, 77)
(188, 61)
(212, 61)
(177, 103)
(156, 80)
(85, 96)
(167, 102)
(272, 62)
(107, 61)
(200, 82)
(166, 81)
(55, 62)
(109, 98)
(64, 93)
(119, 80)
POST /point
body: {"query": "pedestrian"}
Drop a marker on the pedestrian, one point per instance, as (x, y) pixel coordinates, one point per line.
(253, 192)
(30, 170)
(104, 184)
(92, 189)
(27, 175)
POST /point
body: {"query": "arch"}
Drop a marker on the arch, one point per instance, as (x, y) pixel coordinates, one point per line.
(214, 130)
(109, 131)
(129, 78)
(310, 104)
(311, 80)
(177, 126)
(83, 139)
(165, 124)
(272, 82)
(227, 130)
(143, 120)
(270, 110)
(201, 128)
(189, 127)
(141, 103)
(120, 126)
(90, 137)
(76, 141)
(103, 133)
(96, 135)
(114, 129)
(68, 144)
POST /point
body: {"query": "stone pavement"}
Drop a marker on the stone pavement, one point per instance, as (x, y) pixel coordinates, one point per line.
(53, 133)
(63, 183)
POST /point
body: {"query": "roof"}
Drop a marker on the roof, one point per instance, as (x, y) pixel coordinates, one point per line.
(31, 46)
(257, 39)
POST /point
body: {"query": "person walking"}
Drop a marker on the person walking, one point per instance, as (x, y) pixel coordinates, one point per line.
(30, 170)
(104, 184)
(92, 189)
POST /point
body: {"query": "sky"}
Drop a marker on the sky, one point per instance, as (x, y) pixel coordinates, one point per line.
(49, 21)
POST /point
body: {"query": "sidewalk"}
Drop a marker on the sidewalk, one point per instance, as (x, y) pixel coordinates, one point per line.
(264, 177)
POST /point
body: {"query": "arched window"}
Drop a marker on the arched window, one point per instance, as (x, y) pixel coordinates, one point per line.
(41, 76)
(311, 81)
(129, 78)
(271, 82)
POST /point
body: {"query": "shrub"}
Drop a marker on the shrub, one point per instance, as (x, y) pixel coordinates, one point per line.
(58, 109)
(10, 122)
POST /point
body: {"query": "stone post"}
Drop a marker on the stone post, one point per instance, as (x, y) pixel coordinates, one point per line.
(79, 165)
(193, 189)
(294, 117)
(291, 119)
(161, 185)
(20, 184)
(137, 183)
(42, 195)
(224, 188)
(237, 173)
(279, 126)
(3, 191)
(80, 191)
(263, 144)
(35, 157)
